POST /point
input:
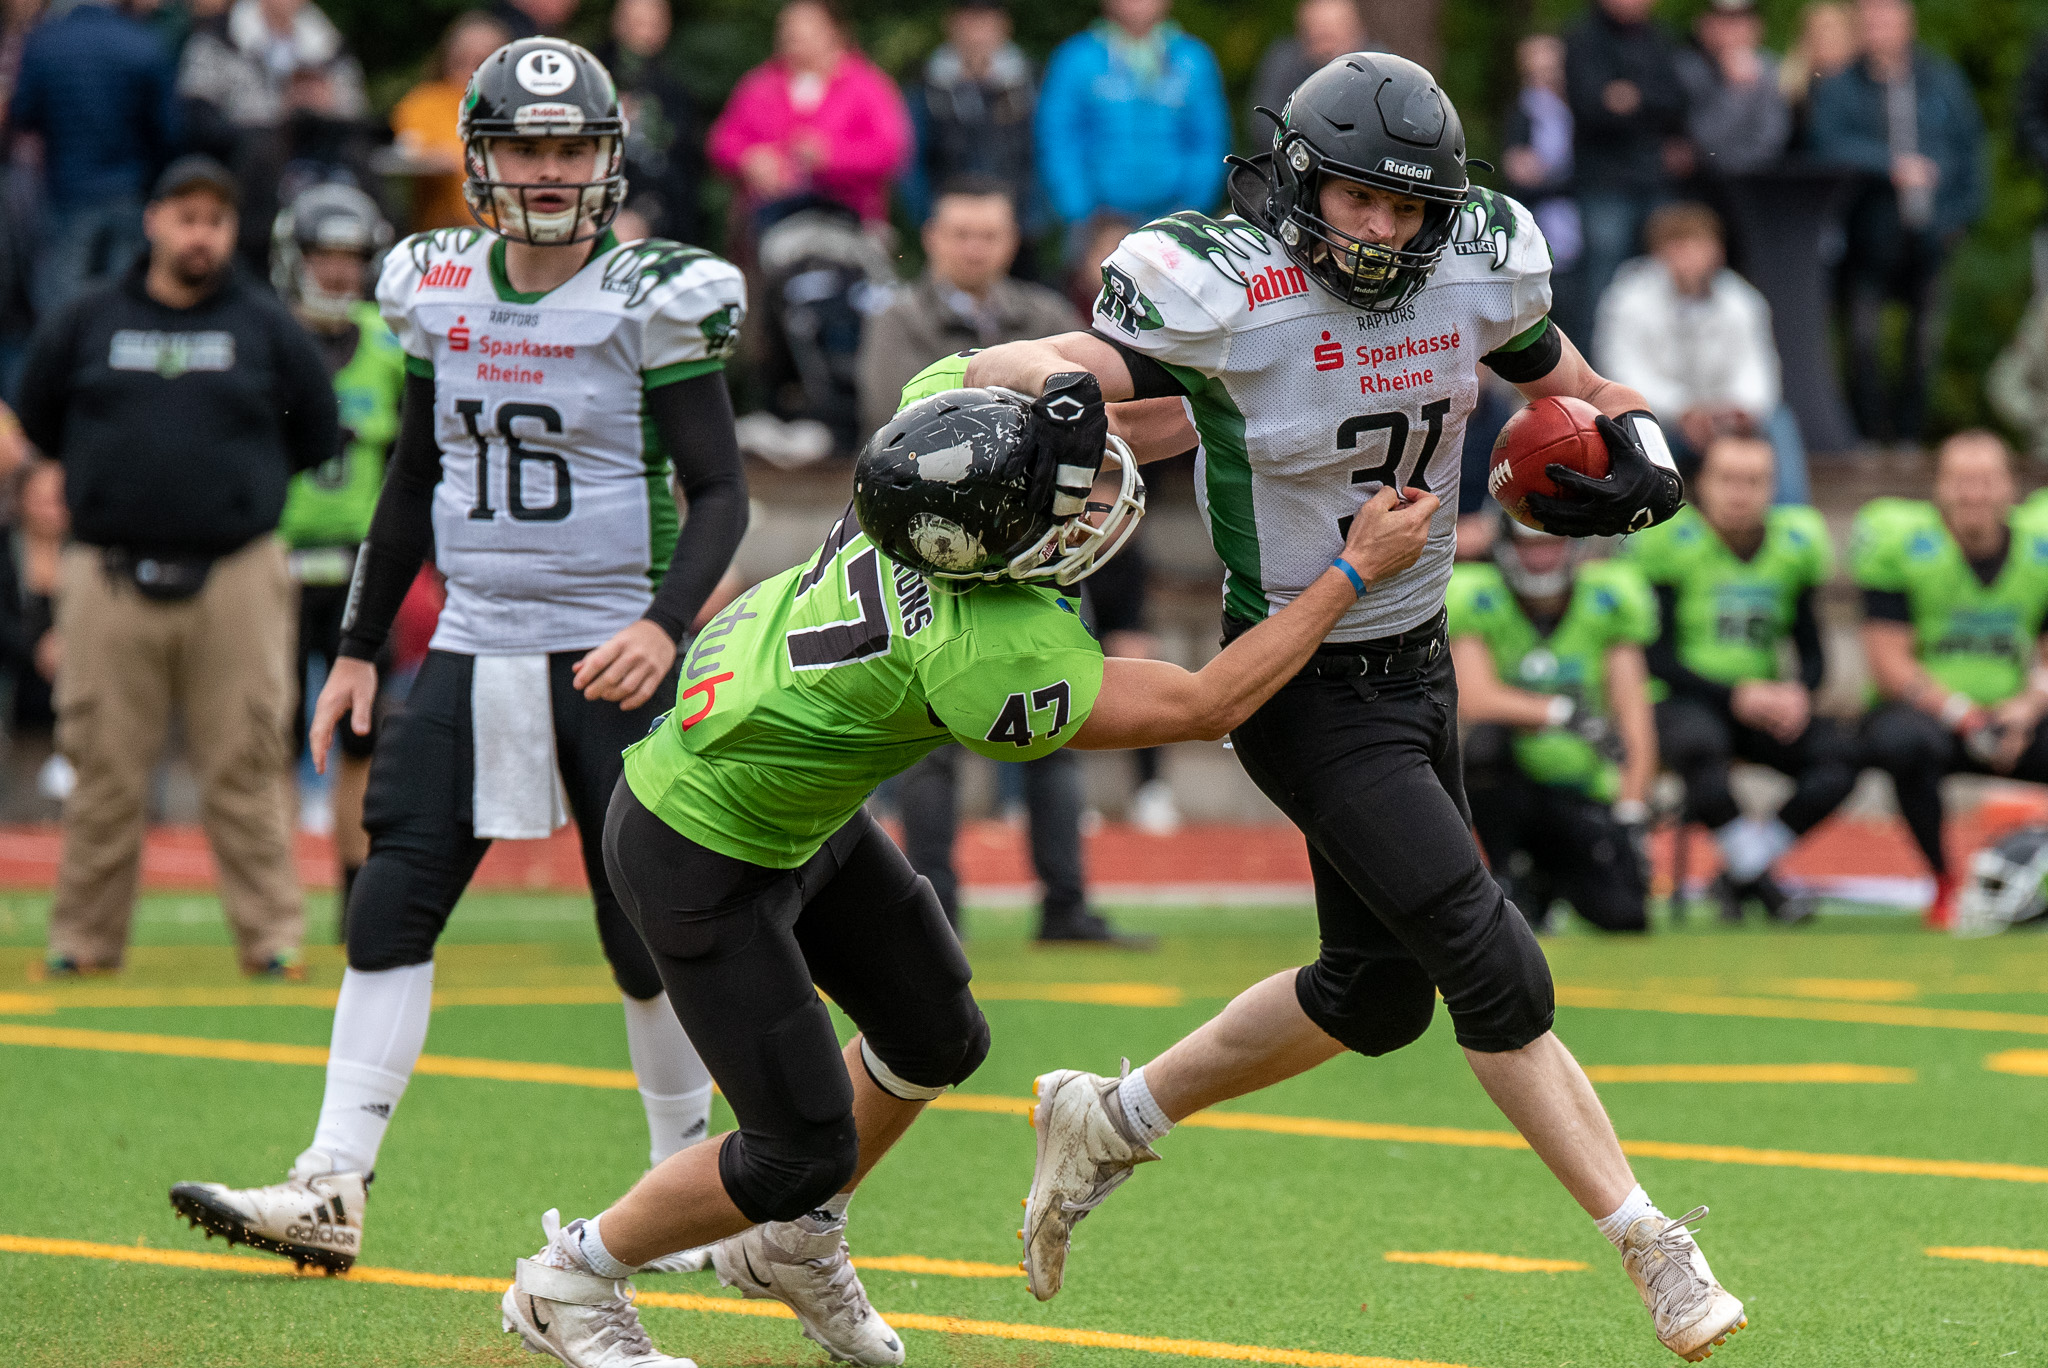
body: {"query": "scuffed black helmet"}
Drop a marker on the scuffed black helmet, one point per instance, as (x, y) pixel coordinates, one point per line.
(957, 487)
(542, 88)
(1369, 117)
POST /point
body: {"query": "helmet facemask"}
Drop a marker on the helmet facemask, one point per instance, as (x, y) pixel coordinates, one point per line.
(1072, 550)
(1365, 275)
(506, 207)
(1524, 580)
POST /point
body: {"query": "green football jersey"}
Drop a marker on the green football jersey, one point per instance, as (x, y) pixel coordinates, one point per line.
(1732, 614)
(331, 504)
(1975, 639)
(816, 685)
(1611, 605)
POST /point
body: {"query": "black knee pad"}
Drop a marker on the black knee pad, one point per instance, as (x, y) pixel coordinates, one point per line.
(1500, 995)
(1371, 1006)
(395, 914)
(945, 1053)
(781, 1177)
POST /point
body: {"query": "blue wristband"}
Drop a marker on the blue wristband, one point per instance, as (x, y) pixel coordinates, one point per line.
(1357, 580)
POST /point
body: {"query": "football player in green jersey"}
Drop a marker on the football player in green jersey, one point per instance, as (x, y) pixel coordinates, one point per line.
(322, 249)
(1954, 593)
(1549, 654)
(1737, 577)
(939, 609)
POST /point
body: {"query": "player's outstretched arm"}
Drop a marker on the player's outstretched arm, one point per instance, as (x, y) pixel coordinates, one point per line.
(1026, 366)
(1641, 488)
(1152, 703)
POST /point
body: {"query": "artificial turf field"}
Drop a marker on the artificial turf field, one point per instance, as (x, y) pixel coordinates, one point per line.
(1276, 1237)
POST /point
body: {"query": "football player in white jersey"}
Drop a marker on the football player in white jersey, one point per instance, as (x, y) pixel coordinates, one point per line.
(555, 379)
(1324, 342)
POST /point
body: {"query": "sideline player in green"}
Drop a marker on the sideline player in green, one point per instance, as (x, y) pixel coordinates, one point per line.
(1736, 577)
(1954, 593)
(322, 249)
(1549, 653)
(1325, 338)
(938, 610)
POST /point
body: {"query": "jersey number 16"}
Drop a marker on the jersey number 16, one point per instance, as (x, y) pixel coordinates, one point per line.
(517, 458)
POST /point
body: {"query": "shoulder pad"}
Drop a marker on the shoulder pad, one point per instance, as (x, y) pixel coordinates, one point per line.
(1216, 261)
(1800, 525)
(1476, 590)
(659, 276)
(1495, 232)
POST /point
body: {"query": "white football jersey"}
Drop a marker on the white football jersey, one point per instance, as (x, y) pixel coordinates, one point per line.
(554, 519)
(1305, 406)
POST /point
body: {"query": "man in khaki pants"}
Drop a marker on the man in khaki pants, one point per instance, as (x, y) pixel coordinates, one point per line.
(180, 401)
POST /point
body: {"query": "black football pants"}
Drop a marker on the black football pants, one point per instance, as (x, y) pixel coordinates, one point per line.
(1697, 741)
(1917, 751)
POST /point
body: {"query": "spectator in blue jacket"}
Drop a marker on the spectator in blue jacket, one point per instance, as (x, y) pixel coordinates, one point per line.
(1132, 118)
(95, 85)
(1925, 186)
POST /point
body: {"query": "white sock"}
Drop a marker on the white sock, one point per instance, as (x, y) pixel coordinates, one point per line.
(1147, 1121)
(589, 1247)
(828, 1216)
(1751, 845)
(675, 1087)
(380, 1024)
(1633, 1208)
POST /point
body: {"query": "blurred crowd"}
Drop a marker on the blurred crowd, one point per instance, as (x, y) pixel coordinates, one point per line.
(885, 219)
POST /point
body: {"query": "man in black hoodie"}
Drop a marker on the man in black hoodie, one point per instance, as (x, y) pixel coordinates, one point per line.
(1628, 114)
(180, 400)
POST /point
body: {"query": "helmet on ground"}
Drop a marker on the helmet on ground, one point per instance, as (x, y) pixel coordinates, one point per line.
(1525, 580)
(542, 88)
(330, 217)
(958, 487)
(1369, 117)
(2008, 884)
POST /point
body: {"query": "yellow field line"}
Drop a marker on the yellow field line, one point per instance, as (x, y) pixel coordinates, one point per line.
(2037, 1258)
(938, 1268)
(516, 1071)
(2027, 1063)
(1749, 1073)
(1851, 1013)
(733, 1306)
(1491, 1263)
(570, 995)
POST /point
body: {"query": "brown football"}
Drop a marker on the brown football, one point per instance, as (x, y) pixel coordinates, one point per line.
(1551, 431)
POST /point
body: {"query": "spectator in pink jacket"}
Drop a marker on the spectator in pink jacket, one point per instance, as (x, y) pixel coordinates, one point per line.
(817, 117)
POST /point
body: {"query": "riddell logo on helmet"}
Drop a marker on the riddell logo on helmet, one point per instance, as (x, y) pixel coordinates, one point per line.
(1275, 283)
(445, 275)
(1412, 170)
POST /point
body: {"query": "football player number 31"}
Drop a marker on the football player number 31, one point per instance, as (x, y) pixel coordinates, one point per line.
(1353, 432)
(518, 456)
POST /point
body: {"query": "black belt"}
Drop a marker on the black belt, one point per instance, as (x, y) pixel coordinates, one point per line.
(1404, 653)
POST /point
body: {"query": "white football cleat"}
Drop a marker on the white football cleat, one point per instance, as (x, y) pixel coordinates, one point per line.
(1691, 1310)
(582, 1318)
(313, 1217)
(1082, 1158)
(682, 1261)
(812, 1276)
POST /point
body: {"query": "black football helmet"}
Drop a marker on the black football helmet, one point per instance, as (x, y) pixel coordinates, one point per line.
(329, 217)
(962, 486)
(542, 88)
(1369, 117)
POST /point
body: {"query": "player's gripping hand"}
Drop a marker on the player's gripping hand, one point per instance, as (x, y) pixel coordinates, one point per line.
(627, 669)
(1638, 491)
(351, 692)
(1073, 427)
(1388, 534)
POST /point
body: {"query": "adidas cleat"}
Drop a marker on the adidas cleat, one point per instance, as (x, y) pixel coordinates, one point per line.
(560, 1309)
(1082, 1158)
(311, 1218)
(812, 1276)
(1692, 1312)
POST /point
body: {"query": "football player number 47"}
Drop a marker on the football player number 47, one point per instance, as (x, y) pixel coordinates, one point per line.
(518, 455)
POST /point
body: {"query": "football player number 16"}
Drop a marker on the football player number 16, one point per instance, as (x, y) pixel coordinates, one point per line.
(1353, 432)
(517, 458)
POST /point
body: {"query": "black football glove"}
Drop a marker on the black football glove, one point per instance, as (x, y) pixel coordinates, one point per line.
(1639, 491)
(1072, 428)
